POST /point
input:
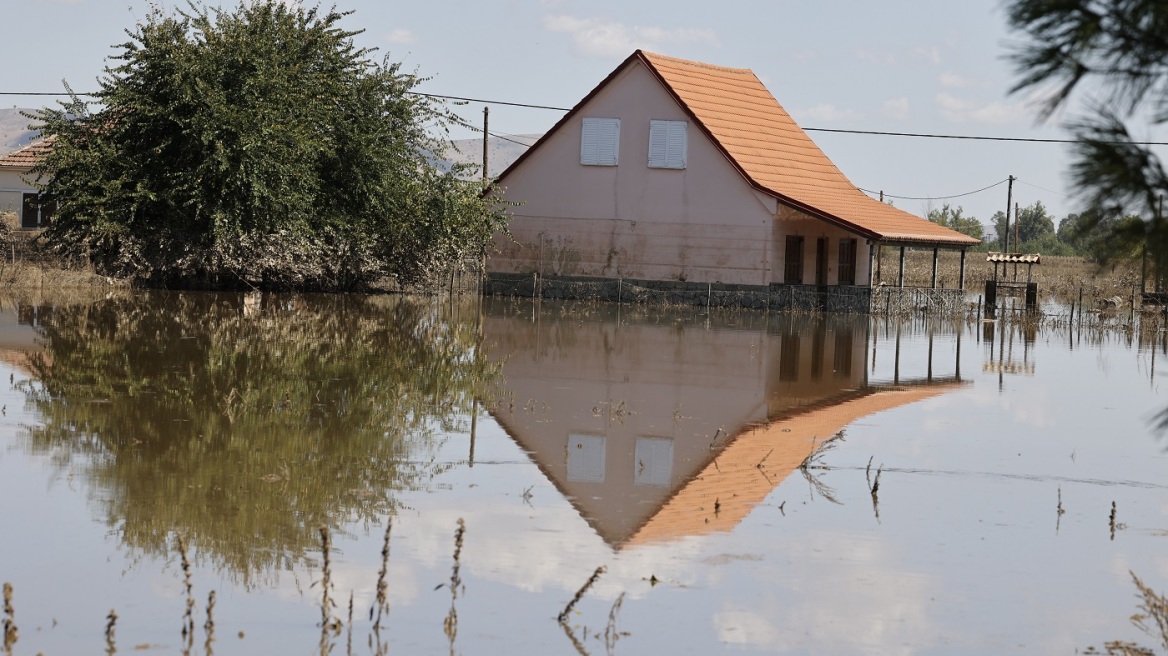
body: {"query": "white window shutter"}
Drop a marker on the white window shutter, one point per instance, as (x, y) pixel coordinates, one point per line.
(676, 159)
(667, 144)
(600, 141)
(658, 143)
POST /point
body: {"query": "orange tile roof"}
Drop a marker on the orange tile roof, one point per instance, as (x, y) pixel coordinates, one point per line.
(777, 157)
(27, 156)
(743, 474)
(772, 152)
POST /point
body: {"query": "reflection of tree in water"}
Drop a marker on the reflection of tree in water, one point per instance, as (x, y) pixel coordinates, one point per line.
(245, 425)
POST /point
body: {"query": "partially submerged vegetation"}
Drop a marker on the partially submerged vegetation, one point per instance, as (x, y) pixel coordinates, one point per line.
(257, 148)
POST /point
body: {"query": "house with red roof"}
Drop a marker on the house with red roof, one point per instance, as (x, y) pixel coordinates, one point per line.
(18, 196)
(659, 425)
(682, 175)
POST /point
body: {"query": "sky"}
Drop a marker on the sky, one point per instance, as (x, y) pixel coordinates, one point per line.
(899, 66)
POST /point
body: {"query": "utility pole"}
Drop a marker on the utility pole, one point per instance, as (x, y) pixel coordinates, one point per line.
(1016, 240)
(1009, 202)
(486, 136)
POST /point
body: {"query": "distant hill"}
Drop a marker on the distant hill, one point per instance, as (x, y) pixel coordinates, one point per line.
(501, 152)
(14, 131)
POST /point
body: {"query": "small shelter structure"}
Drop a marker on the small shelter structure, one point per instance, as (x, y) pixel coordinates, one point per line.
(679, 173)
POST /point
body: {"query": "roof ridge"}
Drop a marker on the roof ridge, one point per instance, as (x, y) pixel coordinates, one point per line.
(696, 64)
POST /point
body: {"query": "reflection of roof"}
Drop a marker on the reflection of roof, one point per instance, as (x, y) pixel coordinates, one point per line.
(775, 156)
(28, 156)
(753, 464)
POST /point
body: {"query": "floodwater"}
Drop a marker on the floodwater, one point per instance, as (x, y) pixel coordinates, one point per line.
(749, 483)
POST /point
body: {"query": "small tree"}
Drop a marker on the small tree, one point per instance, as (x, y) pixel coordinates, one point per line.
(1035, 225)
(955, 218)
(257, 146)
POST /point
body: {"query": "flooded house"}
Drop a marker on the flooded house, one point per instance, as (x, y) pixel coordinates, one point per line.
(679, 175)
(659, 426)
(18, 196)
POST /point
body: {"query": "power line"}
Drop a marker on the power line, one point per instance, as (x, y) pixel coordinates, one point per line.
(880, 133)
(924, 135)
(488, 102)
(968, 193)
(1052, 191)
(464, 123)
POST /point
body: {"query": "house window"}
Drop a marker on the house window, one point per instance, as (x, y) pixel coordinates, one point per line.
(586, 458)
(35, 212)
(667, 144)
(843, 353)
(789, 349)
(793, 269)
(821, 261)
(847, 262)
(600, 141)
(654, 461)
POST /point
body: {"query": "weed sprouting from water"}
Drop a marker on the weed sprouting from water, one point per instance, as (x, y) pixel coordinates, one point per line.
(111, 621)
(1152, 619)
(450, 625)
(814, 461)
(349, 639)
(563, 616)
(611, 635)
(1112, 521)
(382, 582)
(209, 625)
(875, 492)
(9, 627)
(328, 624)
(188, 628)
(1060, 511)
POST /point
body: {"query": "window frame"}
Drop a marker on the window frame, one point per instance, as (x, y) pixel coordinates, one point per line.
(670, 140)
(846, 269)
(597, 136)
(793, 260)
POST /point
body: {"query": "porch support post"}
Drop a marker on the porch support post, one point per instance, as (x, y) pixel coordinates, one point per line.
(934, 267)
(871, 260)
(961, 277)
(900, 276)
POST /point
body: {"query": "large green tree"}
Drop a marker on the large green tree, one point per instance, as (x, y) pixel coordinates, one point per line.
(1118, 52)
(258, 146)
(1034, 224)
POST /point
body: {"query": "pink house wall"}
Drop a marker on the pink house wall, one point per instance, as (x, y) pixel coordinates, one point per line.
(700, 224)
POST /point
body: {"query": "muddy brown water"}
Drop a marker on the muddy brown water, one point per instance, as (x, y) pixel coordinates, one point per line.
(749, 482)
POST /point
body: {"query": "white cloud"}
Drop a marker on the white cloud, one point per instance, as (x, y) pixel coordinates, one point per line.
(959, 110)
(805, 56)
(874, 57)
(401, 36)
(599, 38)
(739, 626)
(828, 113)
(954, 81)
(895, 108)
(931, 54)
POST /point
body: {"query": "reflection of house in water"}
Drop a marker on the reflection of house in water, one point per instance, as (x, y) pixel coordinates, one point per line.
(664, 426)
(18, 334)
